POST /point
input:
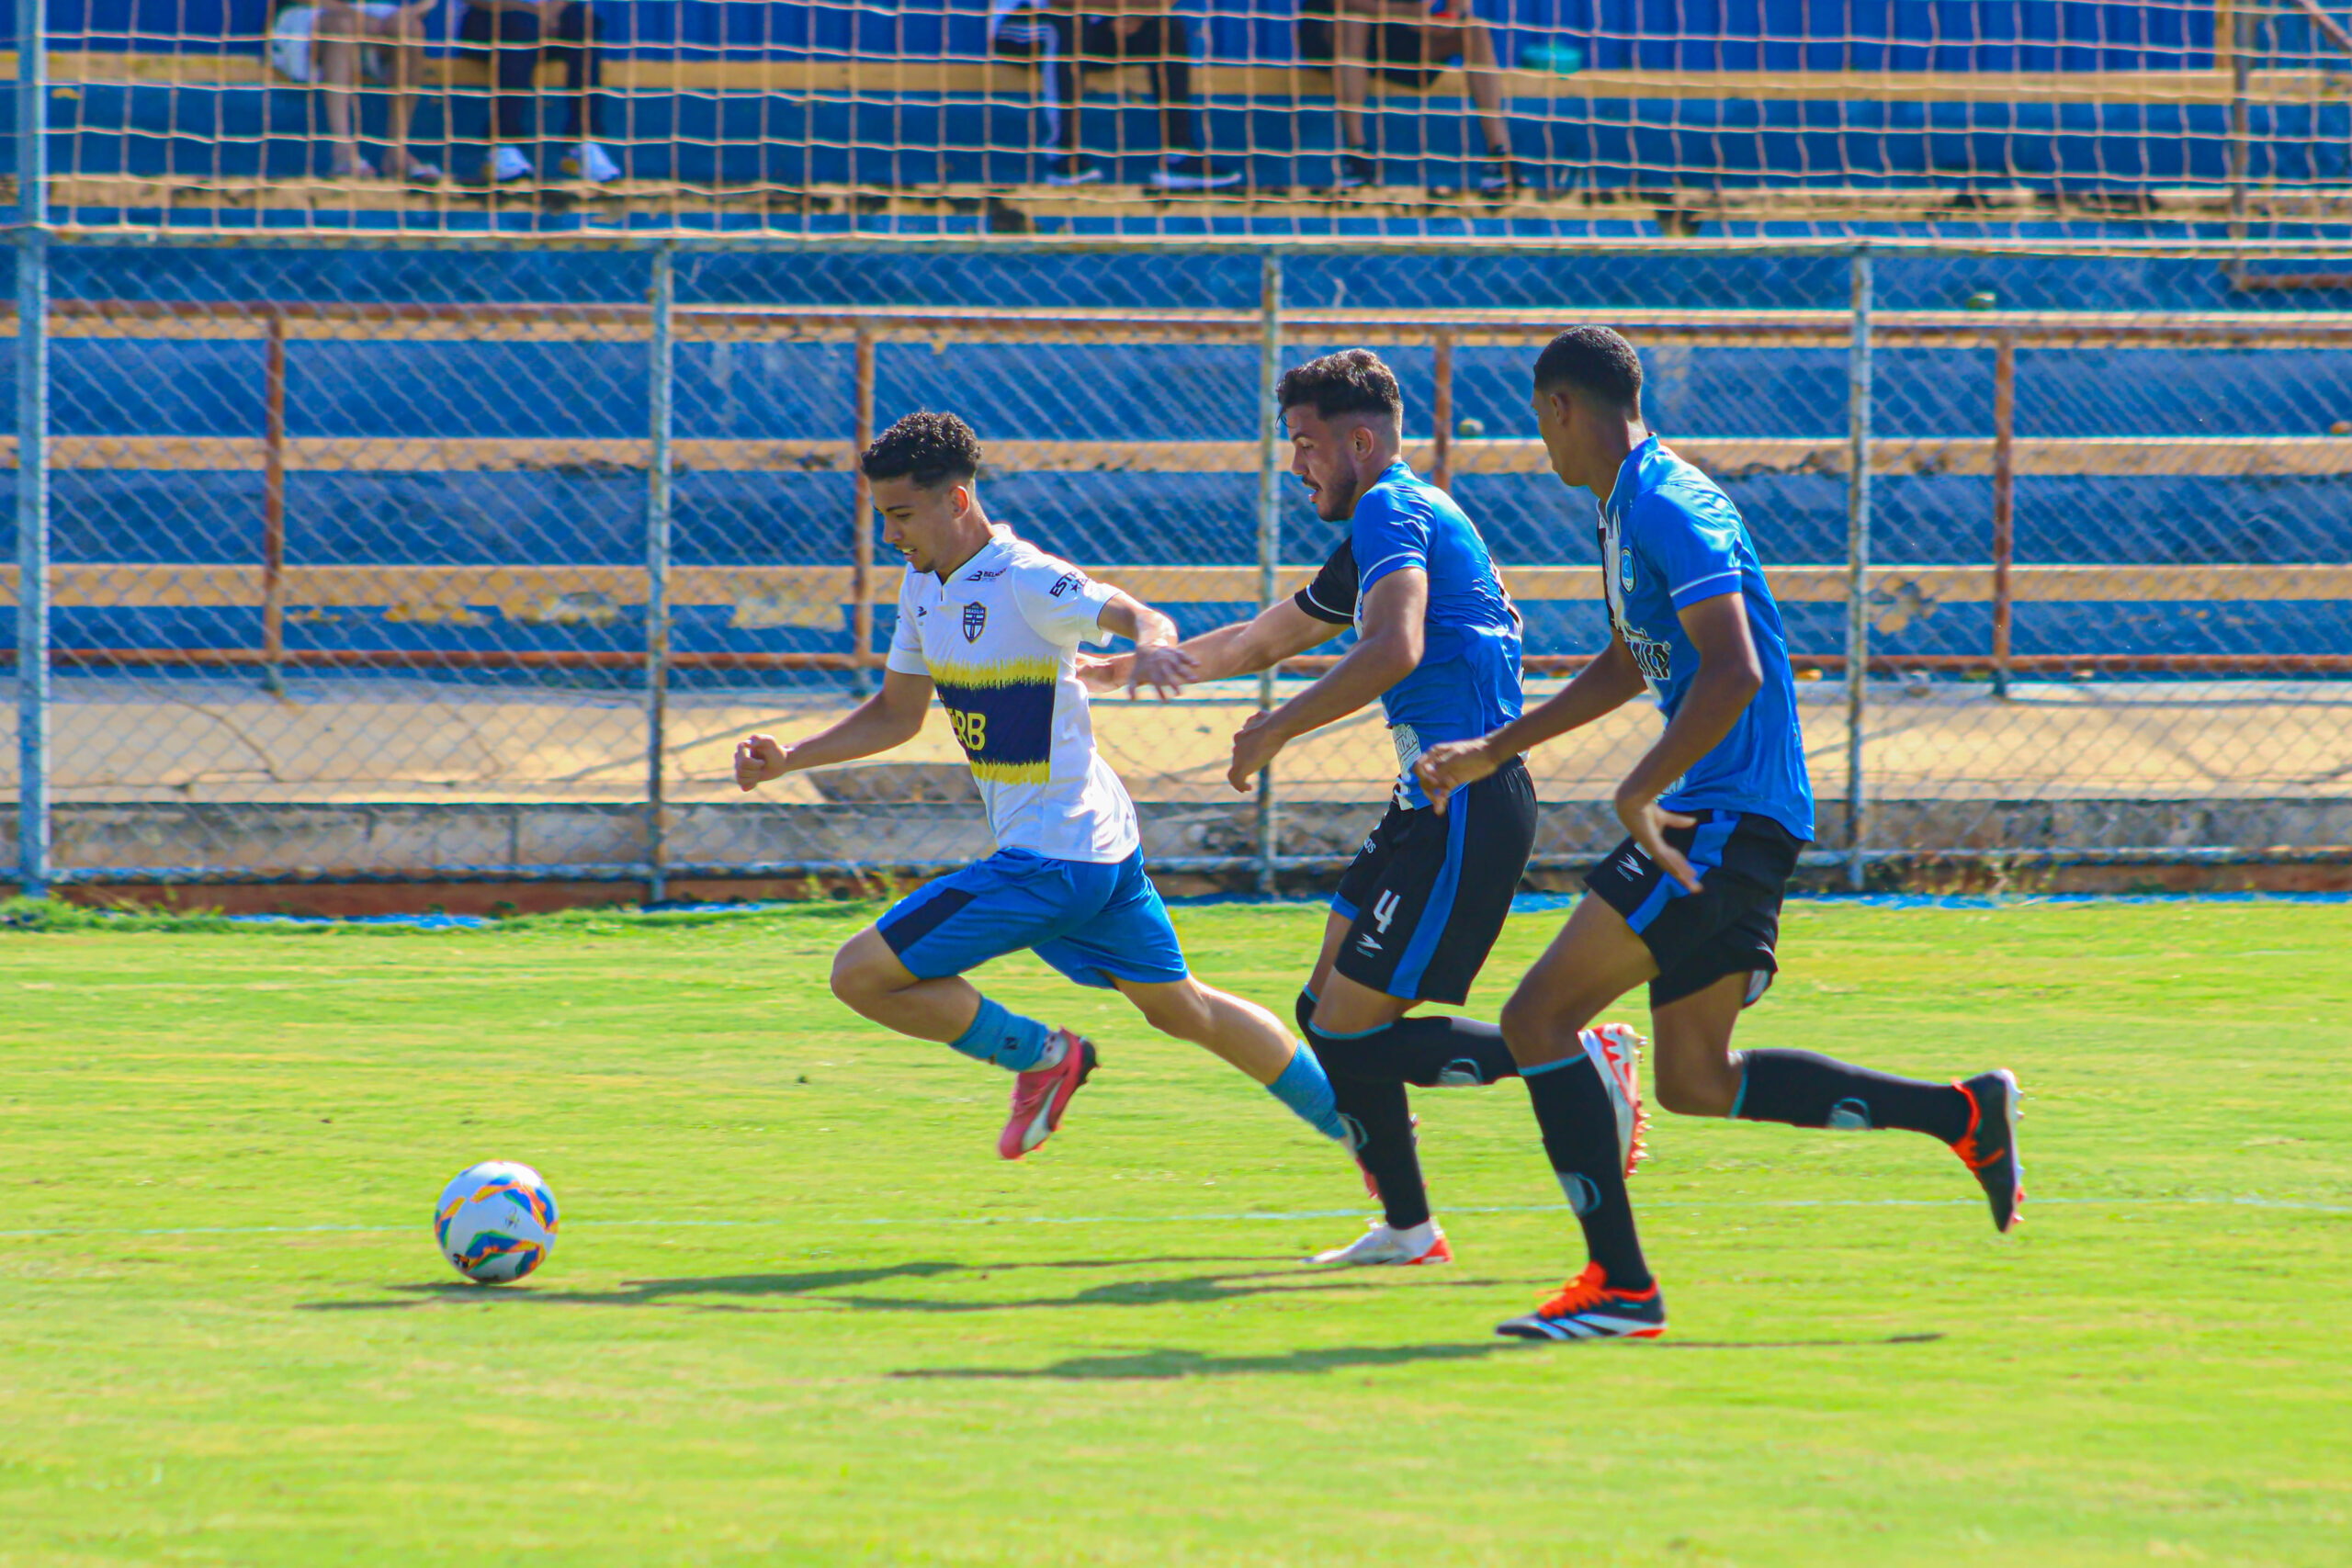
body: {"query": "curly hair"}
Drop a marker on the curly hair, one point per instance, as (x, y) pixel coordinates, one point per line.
(934, 449)
(1351, 382)
(1596, 361)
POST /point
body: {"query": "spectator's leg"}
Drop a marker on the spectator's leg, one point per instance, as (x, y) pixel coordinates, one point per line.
(403, 34)
(1044, 38)
(580, 48)
(1100, 41)
(1485, 85)
(1168, 41)
(1352, 25)
(508, 43)
(335, 36)
(515, 71)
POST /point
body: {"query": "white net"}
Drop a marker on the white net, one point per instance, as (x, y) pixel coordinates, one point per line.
(1272, 117)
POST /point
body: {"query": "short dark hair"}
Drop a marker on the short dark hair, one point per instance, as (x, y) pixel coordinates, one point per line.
(933, 448)
(1351, 382)
(1596, 361)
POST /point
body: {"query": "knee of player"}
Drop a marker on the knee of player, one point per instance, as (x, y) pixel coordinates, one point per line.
(852, 980)
(1687, 1090)
(1179, 1011)
(1528, 1023)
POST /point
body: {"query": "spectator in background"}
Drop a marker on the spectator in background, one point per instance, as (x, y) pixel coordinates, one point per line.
(514, 36)
(1055, 36)
(334, 45)
(1410, 42)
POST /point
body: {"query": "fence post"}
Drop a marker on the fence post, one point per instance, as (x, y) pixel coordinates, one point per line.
(659, 386)
(1858, 561)
(860, 519)
(1441, 413)
(1270, 526)
(273, 507)
(32, 455)
(2004, 504)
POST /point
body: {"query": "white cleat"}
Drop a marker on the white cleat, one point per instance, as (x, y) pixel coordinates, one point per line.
(1616, 1050)
(1423, 1243)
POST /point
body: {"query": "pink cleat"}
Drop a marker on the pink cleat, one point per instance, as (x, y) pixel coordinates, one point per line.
(1040, 1096)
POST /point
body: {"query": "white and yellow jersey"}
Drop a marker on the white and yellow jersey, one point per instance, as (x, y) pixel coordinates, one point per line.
(1000, 639)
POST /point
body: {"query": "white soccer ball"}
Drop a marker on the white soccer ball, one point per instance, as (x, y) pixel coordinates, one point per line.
(496, 1221)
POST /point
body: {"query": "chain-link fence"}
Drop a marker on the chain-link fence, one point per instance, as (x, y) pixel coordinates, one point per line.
(415, 564)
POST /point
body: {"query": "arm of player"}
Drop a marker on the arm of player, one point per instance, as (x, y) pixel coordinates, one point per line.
(1728, 679)
(1158, 661)
(1600, 688)
(1388, 650)
(891, 716)
(1277, 632)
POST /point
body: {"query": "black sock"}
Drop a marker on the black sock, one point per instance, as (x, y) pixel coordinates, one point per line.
(1806, 1089)
(1385, 1118)
(1438, 1049)
(1579, 1126)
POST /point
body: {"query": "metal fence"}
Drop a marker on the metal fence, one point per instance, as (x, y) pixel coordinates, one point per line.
(427, 563)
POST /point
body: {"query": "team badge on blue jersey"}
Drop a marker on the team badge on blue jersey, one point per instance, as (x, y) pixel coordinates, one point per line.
(975, 621)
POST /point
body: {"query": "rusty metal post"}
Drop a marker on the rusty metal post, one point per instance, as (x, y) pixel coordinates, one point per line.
(660, 387)
(1442, 415)
(2004, 501)
(273, 509)
(1858, 564)
(1270, 530)
(861, 532)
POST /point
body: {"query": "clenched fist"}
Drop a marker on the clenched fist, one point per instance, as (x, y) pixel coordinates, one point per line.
(759, 758)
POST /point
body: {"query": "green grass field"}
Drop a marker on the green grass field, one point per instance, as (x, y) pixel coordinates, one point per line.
(800, 1314)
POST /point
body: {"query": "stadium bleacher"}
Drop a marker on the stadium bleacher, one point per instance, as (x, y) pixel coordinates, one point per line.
(171, 105)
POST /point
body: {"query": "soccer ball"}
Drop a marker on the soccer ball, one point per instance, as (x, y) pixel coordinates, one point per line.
(496, 1221)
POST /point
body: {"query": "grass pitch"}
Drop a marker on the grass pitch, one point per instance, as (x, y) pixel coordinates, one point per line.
(799, 1314)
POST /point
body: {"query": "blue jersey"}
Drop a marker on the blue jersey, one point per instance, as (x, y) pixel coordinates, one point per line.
(1668, 539)
(1467, 683)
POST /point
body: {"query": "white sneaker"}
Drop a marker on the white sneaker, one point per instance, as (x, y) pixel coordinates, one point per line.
(1616, 1050)
(507, 163)
(592, 163)
(1422, 1244)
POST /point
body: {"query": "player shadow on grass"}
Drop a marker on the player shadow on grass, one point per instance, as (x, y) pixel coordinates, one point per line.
(1145, 1365)
(656, 1292)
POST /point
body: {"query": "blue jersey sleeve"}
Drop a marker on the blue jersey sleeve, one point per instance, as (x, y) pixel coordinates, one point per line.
(1389, 535)
(1690, 551)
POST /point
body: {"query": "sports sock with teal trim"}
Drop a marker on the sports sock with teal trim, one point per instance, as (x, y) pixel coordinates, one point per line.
(1005, 1038)
(1434, 1050)
(1306, 1091)
(1803, 1088)
(1579, 1123)
(1380, 1118)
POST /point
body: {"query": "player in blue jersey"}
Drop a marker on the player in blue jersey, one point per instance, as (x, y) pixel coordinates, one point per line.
(1715, 815)
(1438, 646)
(992, 624)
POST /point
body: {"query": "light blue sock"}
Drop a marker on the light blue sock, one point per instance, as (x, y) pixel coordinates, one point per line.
(1303, 1088)
(1005, 1038)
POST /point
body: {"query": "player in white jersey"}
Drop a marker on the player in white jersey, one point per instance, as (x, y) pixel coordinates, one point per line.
(993, 625)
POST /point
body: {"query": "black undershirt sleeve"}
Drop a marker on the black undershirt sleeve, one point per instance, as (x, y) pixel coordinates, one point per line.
(1331, 597)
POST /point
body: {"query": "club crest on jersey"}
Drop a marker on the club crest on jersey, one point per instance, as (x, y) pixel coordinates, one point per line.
(975, 621)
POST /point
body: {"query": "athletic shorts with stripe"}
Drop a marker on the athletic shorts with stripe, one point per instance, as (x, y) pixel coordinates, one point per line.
(1095, 922)
(1730, 926)
(1430, 890)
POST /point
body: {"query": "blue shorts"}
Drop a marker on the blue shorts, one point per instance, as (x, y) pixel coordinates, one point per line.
(1091, 922)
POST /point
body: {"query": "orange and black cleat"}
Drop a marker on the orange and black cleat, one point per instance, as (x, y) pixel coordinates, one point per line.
(1587, 1308)
(1990, 1146)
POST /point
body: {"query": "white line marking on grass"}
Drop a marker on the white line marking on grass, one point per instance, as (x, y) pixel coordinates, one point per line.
(2295, 1205)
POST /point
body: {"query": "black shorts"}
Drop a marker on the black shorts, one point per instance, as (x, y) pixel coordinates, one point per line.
(1730, 926)
(1430, 890)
